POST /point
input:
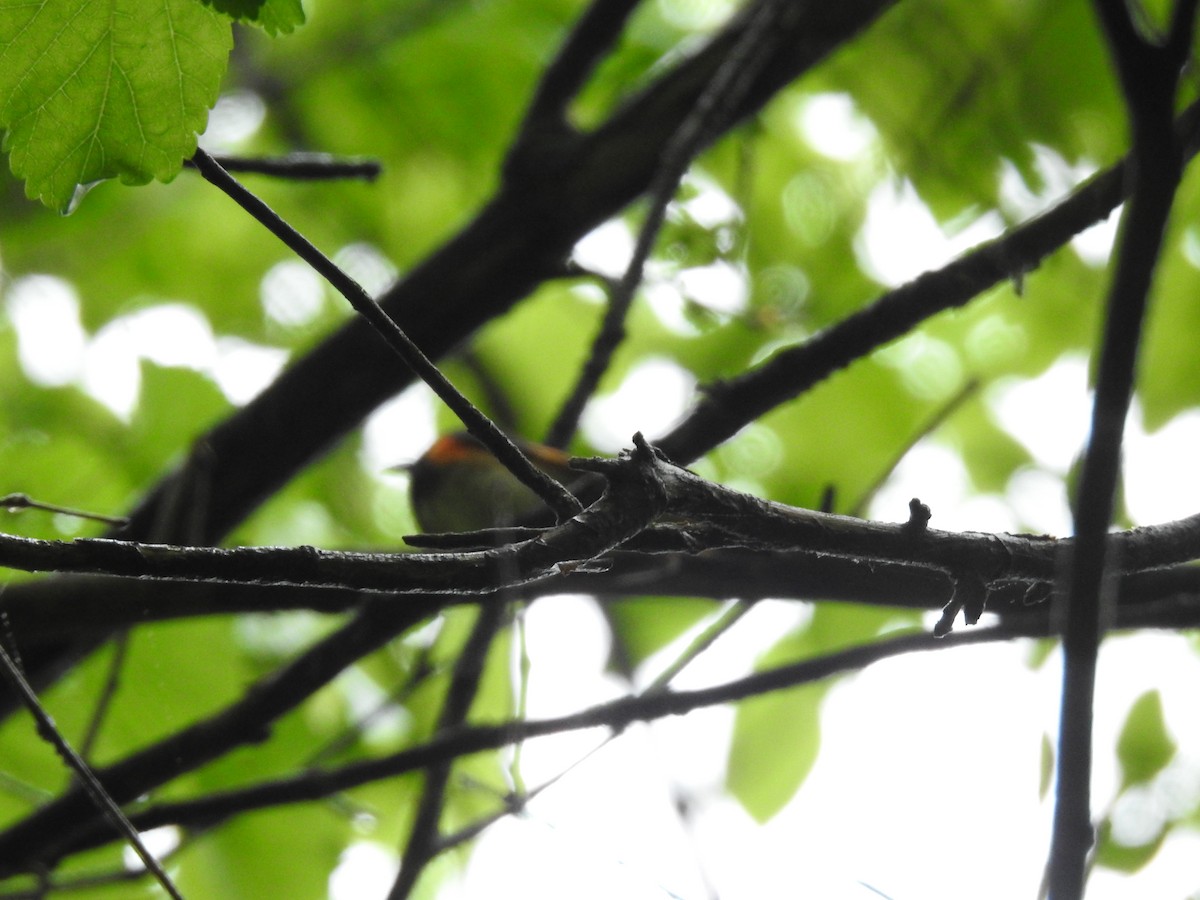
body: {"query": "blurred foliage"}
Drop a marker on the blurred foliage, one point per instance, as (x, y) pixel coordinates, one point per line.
(978, 107)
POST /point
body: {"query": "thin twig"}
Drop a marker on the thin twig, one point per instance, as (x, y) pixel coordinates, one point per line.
(424, 839)
(729, 84)
(87, 779)
(301, 166)
(108, 691)
(14, 502)
(932, 424)
(554, 494)
(728, 617)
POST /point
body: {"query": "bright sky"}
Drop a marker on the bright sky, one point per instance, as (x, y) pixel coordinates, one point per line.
(926, 786)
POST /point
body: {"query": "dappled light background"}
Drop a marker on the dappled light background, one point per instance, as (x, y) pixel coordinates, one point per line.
(933, 772)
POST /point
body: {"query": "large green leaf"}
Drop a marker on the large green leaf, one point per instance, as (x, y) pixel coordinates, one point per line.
(776, 737)
(105, 89)
(775, 743)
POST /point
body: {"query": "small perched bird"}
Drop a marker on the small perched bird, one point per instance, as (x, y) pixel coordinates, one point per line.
(457, 485)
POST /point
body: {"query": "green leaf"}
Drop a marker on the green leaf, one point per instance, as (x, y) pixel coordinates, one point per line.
(647, 624)
(776, 736)
(775, 742)
(104, 89)
(290, 850)
(274, 16)
(1144, 747)
(281, 16)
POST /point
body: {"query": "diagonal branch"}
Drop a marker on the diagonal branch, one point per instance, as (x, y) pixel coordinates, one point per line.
(29, 842)
(554, 494)
(90, 784)
(727, 407)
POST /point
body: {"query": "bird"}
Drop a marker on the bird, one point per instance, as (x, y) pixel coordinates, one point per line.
(457, 485)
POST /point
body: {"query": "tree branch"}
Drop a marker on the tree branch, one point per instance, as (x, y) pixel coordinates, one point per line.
(702, 516)
(40, 837)
(1149, 79)
(557, 497)
(726, 407)
(546, 129)
(730, 82)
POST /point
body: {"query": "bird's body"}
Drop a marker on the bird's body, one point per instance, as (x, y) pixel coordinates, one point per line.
(457, 485)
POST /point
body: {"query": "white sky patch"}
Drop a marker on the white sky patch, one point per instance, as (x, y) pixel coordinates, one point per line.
(365, 871)
(720, 288)
(1191, 246)
(567, 642)
(159, 841)
(1094, 245)
(696, 15)
(832, 126)
(1059, 178)
(935, 475)
(44, 311)
(242, 369)
(1049, 414)
(941, 750)
(367, 265)
(292, 294)
(711, 206)
(667, 302)
(173, 334)
(111, 372)
(399, 431)
(606, 249)
(236, 118)
(1160, 479)
(653, 395)
(1039, 499)
(900, 238)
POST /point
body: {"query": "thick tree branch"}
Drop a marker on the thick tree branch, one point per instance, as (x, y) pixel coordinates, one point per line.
(698, 516)
(547, 128)
(96, 604)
